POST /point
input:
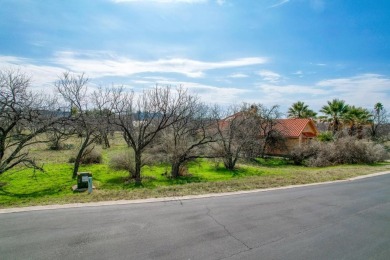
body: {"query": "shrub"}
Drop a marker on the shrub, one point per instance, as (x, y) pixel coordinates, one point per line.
(325, 136)
(55, 146)
(67, 146)
(347, 150)
(89, 157)
(59, 146)
(123, 161)
(299, 154)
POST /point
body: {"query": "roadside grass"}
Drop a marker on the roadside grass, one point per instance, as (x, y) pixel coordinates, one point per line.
(24, 187)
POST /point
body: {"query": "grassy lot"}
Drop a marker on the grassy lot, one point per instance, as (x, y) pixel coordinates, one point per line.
(24, 187)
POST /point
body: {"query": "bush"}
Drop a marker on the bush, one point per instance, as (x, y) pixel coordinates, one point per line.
(347, 150)
(306, 151)
(67, 146)
(123, 161)
(59, 146)
(325, 136)
(89, 157)
(55, 146)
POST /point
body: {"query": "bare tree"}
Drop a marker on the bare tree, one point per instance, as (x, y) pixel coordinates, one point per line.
(380, 119)
(236, 131)
(142, 118)
(270, 135)
(101, 99)
(59, 133)
(23, 117)
(186, 139)
(246, 132)
(85, 122)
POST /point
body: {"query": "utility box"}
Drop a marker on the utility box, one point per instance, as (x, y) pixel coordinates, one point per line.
(82, 180)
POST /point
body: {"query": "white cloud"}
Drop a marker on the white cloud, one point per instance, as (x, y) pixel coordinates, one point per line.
(221, 2)
(238, 75)
(270, 76)
(142, 82)
(361, 90)
(156, 78)
(98, 66)
(41, 75)
(282, 2)
(211, 94)
(284, 95)
(292, 89)
(206, 93)
(359, 81)
(299, 73)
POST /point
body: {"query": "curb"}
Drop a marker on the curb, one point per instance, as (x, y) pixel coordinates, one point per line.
(168, 199)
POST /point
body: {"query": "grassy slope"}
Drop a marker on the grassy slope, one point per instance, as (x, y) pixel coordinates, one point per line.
(24, 187)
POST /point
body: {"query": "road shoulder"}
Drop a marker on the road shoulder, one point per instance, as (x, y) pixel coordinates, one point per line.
(167, 199)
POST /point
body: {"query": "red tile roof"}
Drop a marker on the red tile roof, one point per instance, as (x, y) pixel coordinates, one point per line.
(289, 127)
(293, 127)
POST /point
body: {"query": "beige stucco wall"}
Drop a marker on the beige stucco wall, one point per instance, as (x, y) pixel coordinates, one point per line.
(290, 143)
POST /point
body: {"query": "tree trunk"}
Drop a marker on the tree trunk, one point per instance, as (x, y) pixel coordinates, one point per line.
(137, 171)
(175, 170)
(352, 130)
(264, 147)
(79, 156)
(336, 126)
(106, 141)
(360, 132)
(76, 166)
(229, 163)
(2, 146)
(57, 144)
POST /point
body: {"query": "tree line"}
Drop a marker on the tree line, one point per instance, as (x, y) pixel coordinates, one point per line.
(165, 122)
(340, 116)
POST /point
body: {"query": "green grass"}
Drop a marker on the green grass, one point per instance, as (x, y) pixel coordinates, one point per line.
(24, 187)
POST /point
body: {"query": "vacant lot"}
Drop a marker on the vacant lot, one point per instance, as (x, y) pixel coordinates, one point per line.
(24, 187)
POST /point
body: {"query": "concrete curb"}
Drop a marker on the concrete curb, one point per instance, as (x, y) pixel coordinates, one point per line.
(167, 199)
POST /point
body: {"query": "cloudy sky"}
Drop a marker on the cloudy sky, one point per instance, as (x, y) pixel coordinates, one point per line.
(225, 51)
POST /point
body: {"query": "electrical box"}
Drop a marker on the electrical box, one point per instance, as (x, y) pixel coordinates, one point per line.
(82, 180)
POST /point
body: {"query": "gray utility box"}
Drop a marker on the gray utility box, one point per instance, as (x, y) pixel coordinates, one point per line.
(82, 180)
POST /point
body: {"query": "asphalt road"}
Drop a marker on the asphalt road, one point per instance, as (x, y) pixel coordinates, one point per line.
(349, 220)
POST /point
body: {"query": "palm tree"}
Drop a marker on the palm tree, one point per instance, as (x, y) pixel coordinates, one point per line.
(300, 110)
(335, 113)
(378, 108)
(378, 118)
(357, 117)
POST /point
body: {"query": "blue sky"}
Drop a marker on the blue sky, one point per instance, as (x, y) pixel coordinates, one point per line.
(225, 51)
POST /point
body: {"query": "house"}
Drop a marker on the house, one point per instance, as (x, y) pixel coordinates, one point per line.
(296, 132)
(293, 132)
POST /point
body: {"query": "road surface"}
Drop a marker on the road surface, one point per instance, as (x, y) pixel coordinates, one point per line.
(349, 220)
